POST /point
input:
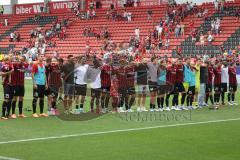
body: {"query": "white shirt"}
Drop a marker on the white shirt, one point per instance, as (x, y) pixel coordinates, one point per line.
(97, 82)
(137, 32)
(80, 73)
(12, 35)
(224, 75)
(210, 38)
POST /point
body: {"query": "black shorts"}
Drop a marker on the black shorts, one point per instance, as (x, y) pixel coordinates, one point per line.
(153, 86)
(191, 90)
(39, 92)
(224, 87)
(122, 92)
(69, 89)
(131, 90)
(232, 87)
(208, 88)
(162, 89)
(18, 91)
(96, 92)
(179, 87)
(8, 92)
(217, 87)
(106, 89)
(81, 90)
(53, 91)
(47, 92)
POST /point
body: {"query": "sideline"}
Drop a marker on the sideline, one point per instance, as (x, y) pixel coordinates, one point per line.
(115, 131)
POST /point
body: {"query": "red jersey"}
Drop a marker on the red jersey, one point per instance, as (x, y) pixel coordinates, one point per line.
(232, 71)
(54, 77)
(7, 67)
(179, 73)
(210, 75)
(121, 76)
(217, 75)
(130, 76)
(171, 75)
(18, 75)
(35, 67)
(106, 76)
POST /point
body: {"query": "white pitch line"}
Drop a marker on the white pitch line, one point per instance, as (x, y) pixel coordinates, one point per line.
(115, 131)
(7, 158)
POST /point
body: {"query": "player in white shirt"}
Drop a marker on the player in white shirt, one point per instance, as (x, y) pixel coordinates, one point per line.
(224, 80)
(95, 82)
(80, 84)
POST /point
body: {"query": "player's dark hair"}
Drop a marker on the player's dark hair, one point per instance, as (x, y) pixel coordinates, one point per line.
(69, 56)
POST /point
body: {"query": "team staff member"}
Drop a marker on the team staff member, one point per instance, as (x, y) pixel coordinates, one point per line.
(162, 85)
(80, 83)
(39, 86)
(142, 81)
(6, 71)
(17, 80)
(152, 82)
(203, 81)
(68, 80)
(93, 75)
(224, 80)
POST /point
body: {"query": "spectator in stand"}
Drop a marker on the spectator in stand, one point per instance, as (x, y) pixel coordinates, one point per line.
(18, 37)
(216, 5)
(129, 16)
(202, 40)
(63, 34)
(125, 14)
(191, 24)
(217, 26)
(6, 22)
(177, 30)
(137, 33)
(149, 13)
(182, 30)
(88, 14)
(167, 43)
(93, 13)
(12, 37)
(1, 9)
(210, 38)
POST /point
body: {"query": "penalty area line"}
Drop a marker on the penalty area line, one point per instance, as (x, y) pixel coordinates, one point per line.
(115, 131)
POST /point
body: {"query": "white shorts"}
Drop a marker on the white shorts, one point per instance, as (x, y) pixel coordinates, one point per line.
(238, 79)
(142, 88)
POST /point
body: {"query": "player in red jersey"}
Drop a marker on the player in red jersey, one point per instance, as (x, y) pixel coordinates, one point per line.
(105, 84)
(54, 84)
(232, 83)
(122, 87)
(17, 81)
(179, 84)
(171, 79)
(6, 72)
(217, 82)
(209, 83)
(130, 79)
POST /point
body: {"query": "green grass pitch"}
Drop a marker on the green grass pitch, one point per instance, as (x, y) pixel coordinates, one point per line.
(177, 135)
